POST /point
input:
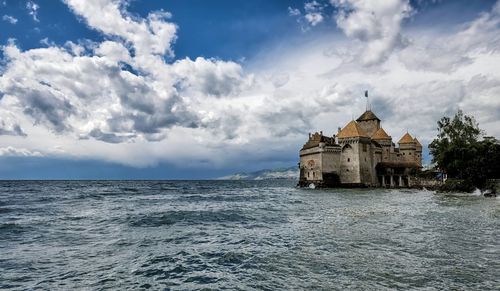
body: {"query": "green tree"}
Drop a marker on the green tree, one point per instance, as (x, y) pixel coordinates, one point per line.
(454, 144)
(459, 152)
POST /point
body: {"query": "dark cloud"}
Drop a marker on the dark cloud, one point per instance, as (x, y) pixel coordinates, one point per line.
(46, 108)
(383, 106)
(14, 129)
(109, 137)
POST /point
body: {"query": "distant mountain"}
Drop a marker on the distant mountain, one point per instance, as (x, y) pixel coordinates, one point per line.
(291, 173)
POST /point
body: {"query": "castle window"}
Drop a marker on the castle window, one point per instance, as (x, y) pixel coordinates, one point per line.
(308, 174)
(348, 159)
(403, 154)
(314, 174)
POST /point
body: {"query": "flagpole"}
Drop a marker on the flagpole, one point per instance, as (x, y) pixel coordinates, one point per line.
(367, 99)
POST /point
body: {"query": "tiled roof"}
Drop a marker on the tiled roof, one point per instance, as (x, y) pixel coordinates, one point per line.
(316, 138)
(407, 138)
(380, 134)
(352, 129)
(368, 115)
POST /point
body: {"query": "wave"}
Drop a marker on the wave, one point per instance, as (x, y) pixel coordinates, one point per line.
(5, 210)
(188, 217)
(12, 228)
(221, 198)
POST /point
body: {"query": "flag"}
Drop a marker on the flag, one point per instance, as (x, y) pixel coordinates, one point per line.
(366, 93)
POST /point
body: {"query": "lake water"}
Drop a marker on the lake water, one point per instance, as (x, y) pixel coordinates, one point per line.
(253, 235)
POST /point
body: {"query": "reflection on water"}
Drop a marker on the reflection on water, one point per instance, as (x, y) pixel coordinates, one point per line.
(243, 235)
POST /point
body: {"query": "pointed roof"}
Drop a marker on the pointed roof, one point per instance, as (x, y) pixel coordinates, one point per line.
(407, 138)
(352, 129)
(380, 134)
(417, 142)
(368, 115)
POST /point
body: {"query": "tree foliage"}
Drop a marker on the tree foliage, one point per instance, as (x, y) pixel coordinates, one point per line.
(460, 151)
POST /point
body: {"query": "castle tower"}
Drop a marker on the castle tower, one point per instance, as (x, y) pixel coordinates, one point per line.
(355, 161)
(418, 152)
(382, 138)
(369, 122)
(407, 148)
(319, 161)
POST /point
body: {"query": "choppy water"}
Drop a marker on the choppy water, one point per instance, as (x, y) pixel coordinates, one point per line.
(243, 235)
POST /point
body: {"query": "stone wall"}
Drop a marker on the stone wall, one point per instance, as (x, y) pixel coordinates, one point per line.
(365, 162)
(386, 150)
(376, 158)
(407, 152)
(331, 161)
(418, 182)
(311, 164)
(418, 157)
(349, 163)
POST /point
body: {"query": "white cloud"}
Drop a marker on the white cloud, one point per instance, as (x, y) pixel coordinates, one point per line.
(313, 12)
(10, 19)
(376, 23)
(211, 77)
(33, 10)
(312, 16)
(9, 125)
(293, 11)
(446, 53)
(100, 91)
(18, 152)
(153, 35)
(119, 100)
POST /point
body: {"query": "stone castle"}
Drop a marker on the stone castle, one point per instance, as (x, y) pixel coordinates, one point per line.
(362, 154)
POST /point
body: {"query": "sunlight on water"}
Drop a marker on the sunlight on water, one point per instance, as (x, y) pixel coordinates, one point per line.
(243, 235)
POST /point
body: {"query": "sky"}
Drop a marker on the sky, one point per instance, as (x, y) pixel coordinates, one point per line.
(196, 89)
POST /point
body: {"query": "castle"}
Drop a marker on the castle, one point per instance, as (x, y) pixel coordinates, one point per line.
(362, 154)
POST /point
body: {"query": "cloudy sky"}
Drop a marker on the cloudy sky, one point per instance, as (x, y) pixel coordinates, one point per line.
(201, 89)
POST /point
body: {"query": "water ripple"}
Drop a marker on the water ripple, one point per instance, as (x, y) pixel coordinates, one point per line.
(243, 235)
